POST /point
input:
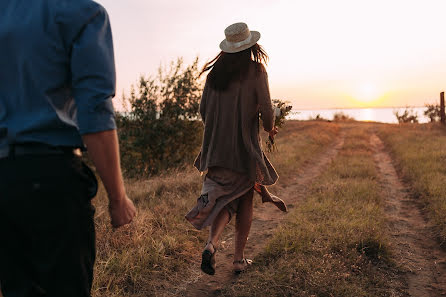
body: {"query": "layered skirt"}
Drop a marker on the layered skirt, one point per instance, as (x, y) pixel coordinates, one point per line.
(222, 188)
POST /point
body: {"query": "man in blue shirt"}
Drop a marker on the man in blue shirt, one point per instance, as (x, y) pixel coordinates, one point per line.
(57, 78)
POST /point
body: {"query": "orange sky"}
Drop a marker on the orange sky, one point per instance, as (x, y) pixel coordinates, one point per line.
(323, 54)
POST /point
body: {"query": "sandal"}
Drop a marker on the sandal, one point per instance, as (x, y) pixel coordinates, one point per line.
(241, 265)
(208, 260)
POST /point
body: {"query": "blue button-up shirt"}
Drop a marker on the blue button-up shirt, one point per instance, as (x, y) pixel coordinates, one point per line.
(57, 73)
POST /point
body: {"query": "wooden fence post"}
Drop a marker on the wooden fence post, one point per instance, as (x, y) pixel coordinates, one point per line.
(442, 115)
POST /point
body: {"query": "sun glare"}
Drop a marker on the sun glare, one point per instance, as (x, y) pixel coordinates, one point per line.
(367, 92)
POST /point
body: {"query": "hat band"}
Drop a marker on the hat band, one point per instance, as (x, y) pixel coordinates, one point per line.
(240, 43)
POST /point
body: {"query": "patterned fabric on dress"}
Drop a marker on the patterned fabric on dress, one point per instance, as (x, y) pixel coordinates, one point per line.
(222, 188)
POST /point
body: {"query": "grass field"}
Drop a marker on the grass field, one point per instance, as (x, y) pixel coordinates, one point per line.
(153, 255)
(420, 155)
(333, 244)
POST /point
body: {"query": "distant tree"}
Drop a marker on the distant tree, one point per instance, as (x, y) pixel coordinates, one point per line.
(407, 116)
(318, 117)
(432, 112)
(342, 117)
(162, 128)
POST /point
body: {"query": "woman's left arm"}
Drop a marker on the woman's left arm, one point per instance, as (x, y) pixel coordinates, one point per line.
(264, 101)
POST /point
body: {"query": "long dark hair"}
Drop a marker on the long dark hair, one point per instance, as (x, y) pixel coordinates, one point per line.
(226, 68)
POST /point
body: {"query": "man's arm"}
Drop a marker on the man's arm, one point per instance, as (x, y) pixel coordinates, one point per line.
(103, 149)
(87, 33)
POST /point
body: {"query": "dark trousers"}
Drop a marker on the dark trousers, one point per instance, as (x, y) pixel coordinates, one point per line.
(47, 237)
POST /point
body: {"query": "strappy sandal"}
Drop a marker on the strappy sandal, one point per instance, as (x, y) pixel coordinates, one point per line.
(208, 260)
(241, 265)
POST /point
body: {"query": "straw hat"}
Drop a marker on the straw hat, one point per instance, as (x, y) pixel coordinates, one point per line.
(238, 38)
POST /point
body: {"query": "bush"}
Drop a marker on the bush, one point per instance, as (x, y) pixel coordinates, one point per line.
(318, 117)
(342, 117)
(432, 112)
(162, 128)
(408, 116)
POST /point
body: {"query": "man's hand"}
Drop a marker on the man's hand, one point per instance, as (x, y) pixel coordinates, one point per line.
(103, 149)
(122, 212)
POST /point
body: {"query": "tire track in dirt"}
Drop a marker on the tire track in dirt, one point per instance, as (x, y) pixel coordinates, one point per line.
(265, 221)
(413, 243)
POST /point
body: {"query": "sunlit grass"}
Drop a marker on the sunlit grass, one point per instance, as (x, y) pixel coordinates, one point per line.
(156, 254)
(334, 243)
(154, 251)
(420, 154)
(297, 143)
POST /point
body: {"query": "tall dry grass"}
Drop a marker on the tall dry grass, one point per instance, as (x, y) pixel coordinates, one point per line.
(153, 253)
(154, 256)
(334, 243)
(298, 143)
(420, 154)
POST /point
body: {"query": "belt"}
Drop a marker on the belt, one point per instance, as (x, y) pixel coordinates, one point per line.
(36, 150)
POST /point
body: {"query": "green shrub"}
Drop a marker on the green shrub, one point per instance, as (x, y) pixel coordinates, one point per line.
(162, 129)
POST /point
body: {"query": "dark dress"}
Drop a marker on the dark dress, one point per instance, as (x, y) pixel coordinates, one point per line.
(231, 150)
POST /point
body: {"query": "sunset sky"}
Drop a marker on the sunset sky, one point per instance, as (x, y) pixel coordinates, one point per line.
(323, 54)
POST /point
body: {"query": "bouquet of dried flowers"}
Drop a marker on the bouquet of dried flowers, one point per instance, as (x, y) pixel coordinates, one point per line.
(281, 110)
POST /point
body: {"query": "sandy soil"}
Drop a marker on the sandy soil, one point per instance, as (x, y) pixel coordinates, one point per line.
(266, 220)
(414, 245)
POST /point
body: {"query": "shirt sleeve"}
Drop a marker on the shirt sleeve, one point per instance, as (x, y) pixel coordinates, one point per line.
(92, 64)
(264, 101)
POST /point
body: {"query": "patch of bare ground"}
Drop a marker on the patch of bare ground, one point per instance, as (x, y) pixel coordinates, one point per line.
(414, 246)
(266, 219)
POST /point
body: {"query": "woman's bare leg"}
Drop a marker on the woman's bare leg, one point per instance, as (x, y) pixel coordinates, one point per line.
(243, 224)
(217, 228)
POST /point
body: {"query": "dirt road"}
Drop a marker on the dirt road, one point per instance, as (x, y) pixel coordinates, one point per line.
(266, 220)
(413, 243)
(415, 249)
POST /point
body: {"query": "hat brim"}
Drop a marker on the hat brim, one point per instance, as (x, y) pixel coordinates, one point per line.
(227, 48)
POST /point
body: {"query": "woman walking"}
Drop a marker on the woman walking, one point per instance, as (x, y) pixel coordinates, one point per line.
(236, 93)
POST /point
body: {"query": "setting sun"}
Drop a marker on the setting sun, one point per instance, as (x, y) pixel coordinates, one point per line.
(335, 57)
(367, 92)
